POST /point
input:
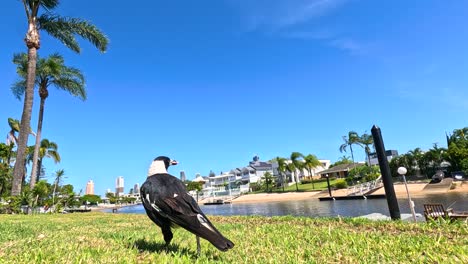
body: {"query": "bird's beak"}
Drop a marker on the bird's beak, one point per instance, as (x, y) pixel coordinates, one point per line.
(174, 162)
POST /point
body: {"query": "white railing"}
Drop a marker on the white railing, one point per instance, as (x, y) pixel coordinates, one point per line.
(365, 187)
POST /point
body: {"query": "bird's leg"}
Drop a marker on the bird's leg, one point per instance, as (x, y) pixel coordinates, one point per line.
(167, 236)
(198, 246)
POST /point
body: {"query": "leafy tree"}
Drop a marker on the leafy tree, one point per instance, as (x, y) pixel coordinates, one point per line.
(91, 199)
(342, 160)
(62, 28)
(50, 71)
(5, 176)
(457, 151)
(310, 162)
(363, 174)
(67, 196)
(41, 191)
(112, 198)
(269, 180)
(352, 139)
(194, 186)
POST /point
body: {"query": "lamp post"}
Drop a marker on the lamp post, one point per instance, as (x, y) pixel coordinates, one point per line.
(402, 171)
(328, 184)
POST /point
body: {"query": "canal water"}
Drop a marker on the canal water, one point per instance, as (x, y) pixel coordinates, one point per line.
(312, 207)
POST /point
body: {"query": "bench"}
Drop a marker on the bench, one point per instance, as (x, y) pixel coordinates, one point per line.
(435, 211)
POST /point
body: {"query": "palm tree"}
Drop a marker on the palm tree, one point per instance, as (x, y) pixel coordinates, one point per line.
(366, 140)
(352, 139)
(310, 162)
(415, 160)
(282, 167)
(58, 178)
(11, 136)
(49, 71)
(291, 169)
(14, 128)
(62, 28)
(269, 180)
(48, 149)
(297, 161)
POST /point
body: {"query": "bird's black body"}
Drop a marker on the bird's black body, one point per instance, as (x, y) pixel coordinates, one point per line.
(168, 204)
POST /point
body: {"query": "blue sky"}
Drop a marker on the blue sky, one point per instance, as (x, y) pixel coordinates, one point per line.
(212, 83)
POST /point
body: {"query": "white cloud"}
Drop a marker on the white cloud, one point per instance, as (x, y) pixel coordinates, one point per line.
(348, 45)
(280, 14)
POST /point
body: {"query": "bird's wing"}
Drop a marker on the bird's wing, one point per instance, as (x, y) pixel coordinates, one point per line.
(181, 204)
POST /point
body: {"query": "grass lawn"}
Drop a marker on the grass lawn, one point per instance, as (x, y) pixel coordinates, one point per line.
(303, 187)
(123, 238)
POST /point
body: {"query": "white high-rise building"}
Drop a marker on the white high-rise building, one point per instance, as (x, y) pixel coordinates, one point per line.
(136, 188)
(119, 186)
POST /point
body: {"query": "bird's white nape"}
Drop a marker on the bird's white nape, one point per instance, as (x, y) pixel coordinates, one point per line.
(157, 166)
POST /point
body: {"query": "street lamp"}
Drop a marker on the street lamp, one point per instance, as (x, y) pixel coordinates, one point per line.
(402, 171)
(328, 184)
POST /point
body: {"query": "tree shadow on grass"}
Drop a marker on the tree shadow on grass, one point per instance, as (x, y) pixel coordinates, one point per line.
(158, 247)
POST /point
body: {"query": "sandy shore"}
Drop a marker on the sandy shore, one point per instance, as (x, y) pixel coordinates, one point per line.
(415, 189)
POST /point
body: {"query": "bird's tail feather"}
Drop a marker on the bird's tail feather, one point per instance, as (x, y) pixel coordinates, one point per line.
(207, 231)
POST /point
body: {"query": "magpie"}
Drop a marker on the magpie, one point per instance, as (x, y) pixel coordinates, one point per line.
(168, 204)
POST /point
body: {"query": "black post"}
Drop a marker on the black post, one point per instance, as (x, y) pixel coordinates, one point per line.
(386, 174)
(328, 184)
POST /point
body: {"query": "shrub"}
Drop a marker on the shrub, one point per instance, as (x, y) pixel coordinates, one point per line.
(340, 184)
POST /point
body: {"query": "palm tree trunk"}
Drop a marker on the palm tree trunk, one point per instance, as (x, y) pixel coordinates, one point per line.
(296, 180)
(311, 179)
(352, 154)
(35, 169)
(39, 166)
(283, 180)
(33, 44)
(55, 188)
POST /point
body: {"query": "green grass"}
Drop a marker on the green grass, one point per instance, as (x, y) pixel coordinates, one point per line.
(121, 238)
(319, 186)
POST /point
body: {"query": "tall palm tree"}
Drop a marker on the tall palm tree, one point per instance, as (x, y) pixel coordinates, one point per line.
(366, 140)
(310, 162)
(349, 141)
(58, 178)
(291, 169)
(49, 72)
(48, 149)
(282, 167)
(62, 28)
(298, 162)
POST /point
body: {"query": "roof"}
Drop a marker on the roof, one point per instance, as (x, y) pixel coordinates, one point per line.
(341, 167)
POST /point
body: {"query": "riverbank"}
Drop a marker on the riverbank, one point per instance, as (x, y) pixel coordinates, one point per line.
(415, 189)
(132, 238)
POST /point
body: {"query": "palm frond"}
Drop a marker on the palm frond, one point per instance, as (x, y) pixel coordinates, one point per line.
(65, 29)
(18, 88)
(21, 61)
(49, 4)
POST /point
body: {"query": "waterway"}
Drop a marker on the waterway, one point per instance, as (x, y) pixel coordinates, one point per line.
(312, 207)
